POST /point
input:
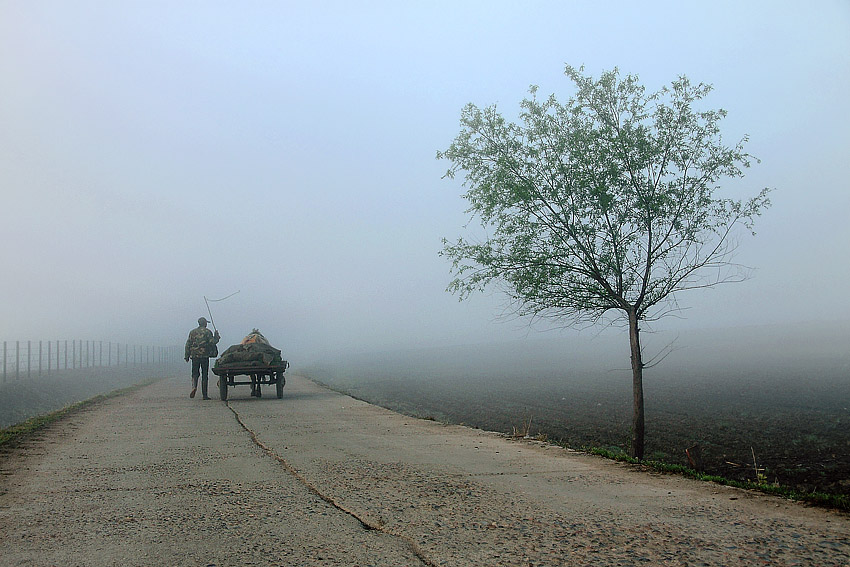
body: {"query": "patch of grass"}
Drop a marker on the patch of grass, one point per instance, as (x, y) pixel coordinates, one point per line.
(19, 430)
(834, 501)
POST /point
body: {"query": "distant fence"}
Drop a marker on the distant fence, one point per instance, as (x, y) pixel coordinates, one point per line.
(26, 359)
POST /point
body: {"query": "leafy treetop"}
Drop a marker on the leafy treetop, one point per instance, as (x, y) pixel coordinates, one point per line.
(605, 202)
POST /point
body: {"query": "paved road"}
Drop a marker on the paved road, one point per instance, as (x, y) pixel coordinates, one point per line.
(318, 478)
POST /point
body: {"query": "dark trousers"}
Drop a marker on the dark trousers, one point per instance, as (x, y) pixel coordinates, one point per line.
(201, 368)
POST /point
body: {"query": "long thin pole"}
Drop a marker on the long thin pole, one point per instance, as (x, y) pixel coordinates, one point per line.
(207, 301)
(210, 312)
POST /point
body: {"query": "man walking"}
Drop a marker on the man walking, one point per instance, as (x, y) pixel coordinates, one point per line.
(200, 346)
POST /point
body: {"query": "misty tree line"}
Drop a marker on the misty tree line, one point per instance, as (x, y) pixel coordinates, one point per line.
(28, 358)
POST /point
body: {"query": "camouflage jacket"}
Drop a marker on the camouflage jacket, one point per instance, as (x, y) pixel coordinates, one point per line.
(200, 343)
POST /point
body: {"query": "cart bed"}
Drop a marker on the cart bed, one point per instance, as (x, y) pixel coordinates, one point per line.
(258, 374)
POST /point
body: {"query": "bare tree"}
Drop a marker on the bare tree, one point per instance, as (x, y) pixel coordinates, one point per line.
(605, 204)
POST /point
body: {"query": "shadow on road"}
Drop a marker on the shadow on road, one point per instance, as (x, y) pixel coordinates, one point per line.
(271, 397)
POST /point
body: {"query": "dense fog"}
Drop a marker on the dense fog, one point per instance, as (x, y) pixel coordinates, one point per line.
(153, 154)
(805, 354)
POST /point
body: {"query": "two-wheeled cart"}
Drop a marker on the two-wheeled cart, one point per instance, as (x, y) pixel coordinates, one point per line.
(257, 375)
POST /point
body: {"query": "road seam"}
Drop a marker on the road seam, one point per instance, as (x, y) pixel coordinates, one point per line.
(365, 522)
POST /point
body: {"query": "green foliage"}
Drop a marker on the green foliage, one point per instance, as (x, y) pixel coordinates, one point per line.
(835, 501)
(605, 202)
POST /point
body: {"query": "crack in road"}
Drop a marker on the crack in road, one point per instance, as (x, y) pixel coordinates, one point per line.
(375, 526)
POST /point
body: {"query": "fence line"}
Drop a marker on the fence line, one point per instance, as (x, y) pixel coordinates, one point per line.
(83, 354)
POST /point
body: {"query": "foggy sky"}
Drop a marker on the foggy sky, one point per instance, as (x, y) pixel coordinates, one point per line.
(153, 153)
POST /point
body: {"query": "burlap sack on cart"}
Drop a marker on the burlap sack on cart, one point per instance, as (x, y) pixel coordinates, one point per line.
(254, 350)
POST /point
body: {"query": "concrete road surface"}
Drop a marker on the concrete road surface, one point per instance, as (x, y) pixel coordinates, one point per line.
(318, 478)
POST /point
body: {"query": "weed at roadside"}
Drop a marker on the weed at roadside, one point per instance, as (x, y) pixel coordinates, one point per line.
(836, 501)
(33, 424)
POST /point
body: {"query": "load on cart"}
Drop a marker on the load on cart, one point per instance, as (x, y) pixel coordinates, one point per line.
(254, 357)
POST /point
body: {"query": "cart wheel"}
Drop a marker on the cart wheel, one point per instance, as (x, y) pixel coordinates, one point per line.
(222, 388)
(281, 382)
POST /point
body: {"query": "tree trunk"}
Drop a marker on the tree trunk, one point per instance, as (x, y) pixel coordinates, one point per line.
(637, 387)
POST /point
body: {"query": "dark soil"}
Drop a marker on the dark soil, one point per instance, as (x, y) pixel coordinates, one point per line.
(792, 414)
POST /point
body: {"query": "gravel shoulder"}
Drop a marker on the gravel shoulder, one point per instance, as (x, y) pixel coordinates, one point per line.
(319, 478)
